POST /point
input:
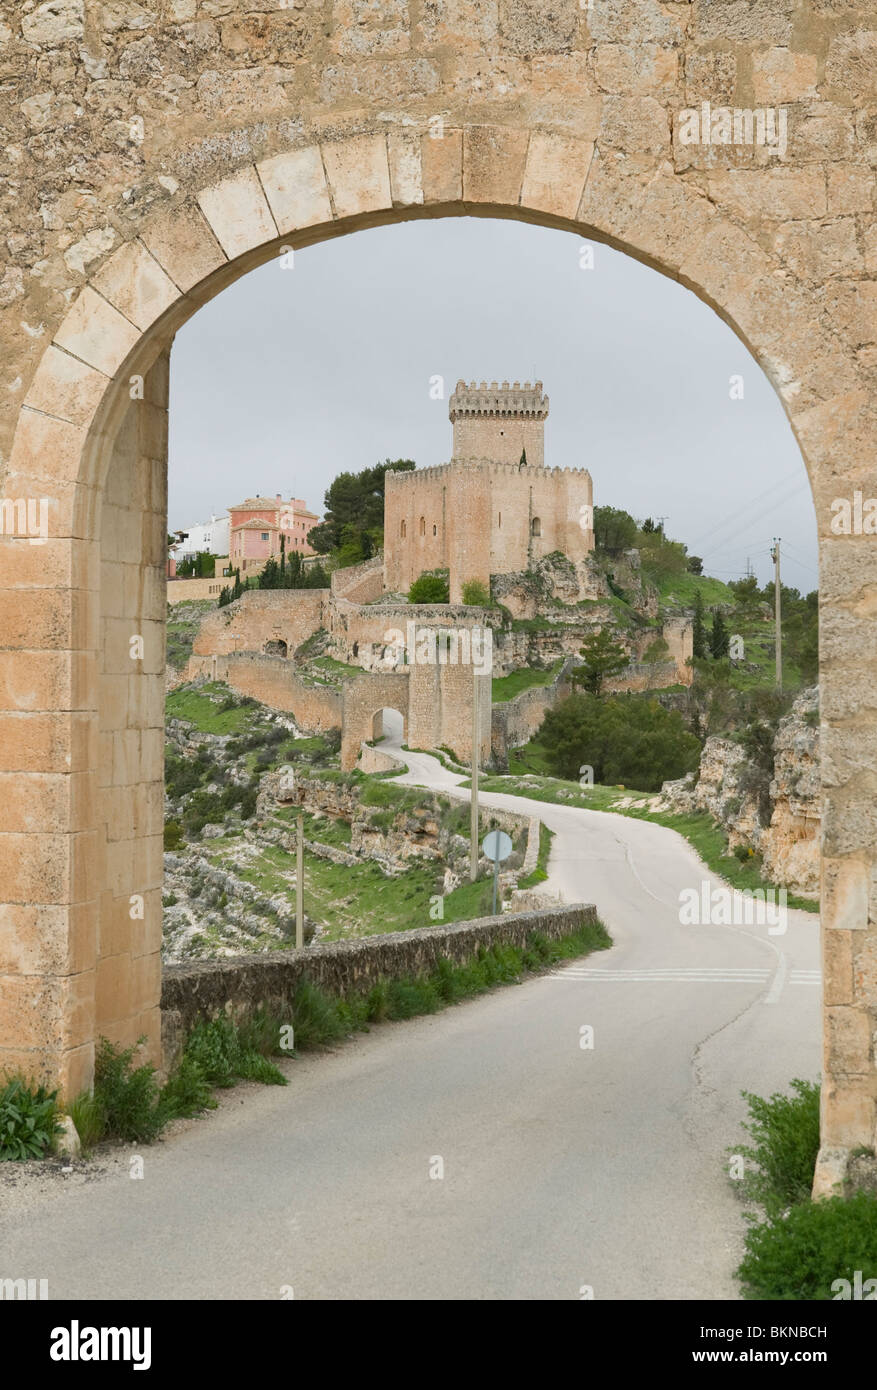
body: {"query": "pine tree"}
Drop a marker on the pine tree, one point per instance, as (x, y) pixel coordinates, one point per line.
(602, 657)
(719, 639)
(282, 558)
(698, 634)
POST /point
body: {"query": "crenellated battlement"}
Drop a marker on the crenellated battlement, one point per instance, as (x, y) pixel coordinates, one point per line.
(522, 400)
(412, 478)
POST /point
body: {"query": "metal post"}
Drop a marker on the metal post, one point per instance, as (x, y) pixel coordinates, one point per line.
(300, 883)
(778, 614)
(495, 880)
(473, 848)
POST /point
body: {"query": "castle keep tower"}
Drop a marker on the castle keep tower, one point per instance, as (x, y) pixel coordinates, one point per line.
(499, 422)
(484, 513)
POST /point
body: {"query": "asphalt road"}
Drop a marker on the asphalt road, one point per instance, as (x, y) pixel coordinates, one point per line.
(564, 1168)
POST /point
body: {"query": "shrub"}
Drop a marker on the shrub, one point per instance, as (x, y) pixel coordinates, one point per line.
(28, 1120)
(803, 1254)
(215, 1045)
(429, 588)
(126, 1098)
(476, 594)
(785, 1130)
(637, 743)
(173, 838)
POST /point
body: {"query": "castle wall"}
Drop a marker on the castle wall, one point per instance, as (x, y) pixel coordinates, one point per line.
(486, 437)
(476, 519)
(260, 616)
(272, 681)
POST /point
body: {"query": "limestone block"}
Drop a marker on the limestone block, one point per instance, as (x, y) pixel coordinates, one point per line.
(845, 892)
(851, 65)
(406, 173)
(527, 26)
(493, 164)
(238, 212)
(97, 333)
(819, 251)
(295, 186)
(461, 26)
(848, 1040)
(135, 283)
(442, 165)
(781, 75)
(65, 387)
(54, 22)
(183, 244)
(837, 967)
(780, 194)
(635, 71)
(359, 174)
(555, 174)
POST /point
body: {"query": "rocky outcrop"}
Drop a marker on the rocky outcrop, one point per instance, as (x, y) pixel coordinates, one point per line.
(727, 787)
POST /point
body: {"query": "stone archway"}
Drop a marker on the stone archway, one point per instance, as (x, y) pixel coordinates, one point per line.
(568, 120)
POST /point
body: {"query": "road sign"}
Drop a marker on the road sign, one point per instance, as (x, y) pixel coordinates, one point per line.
(497, 846)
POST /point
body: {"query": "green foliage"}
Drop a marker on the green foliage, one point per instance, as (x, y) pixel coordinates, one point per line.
(614, 530)
(173, 835)
(216, 1047)
(476, 594)
(126, 1097)
(602, 657)
(699, 646)
(695, 564)
(88, 1115)
(719, 641)
(292, 573)
(785, 1133)
(635, 742)
(803, 1254)
(28, 1120)
(200, 566)
(661, 559)
(429, 588)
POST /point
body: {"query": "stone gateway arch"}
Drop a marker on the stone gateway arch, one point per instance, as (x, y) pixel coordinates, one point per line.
(156, 150)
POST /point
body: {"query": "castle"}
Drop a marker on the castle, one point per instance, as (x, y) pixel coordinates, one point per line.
(494, 508)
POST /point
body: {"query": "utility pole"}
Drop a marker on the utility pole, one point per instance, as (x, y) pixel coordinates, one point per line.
(473, 831)
(778, 616)
(300, 882)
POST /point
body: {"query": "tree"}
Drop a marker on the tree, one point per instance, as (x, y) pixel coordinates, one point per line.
(719, 639)
(624, 738)
(648, 527)
(602, 657)
(269, 577)
(699, 647)
(355, 500)
(695, 564)
(429, 588)
(614, 530)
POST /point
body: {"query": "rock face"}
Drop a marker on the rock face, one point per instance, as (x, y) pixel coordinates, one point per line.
(727, 790)
(791, 849)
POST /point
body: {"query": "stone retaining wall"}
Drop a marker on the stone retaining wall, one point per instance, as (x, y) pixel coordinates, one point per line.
(205, 989)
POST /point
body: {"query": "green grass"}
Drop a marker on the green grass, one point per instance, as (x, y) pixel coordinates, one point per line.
(335, 668)
(505, 688)
(197, 708)
(681, 589)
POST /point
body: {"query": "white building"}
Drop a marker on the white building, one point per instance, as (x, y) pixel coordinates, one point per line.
(212, 536)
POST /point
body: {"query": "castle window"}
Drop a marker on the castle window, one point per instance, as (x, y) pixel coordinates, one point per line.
(500, 521)
(536, 527)
(434, 529)
(403, 529)
(423, 526)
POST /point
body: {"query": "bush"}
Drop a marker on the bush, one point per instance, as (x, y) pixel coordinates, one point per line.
(215, 1045)
(803, 1254)
(173, 838)
(28, 1120)
(785, 1130)
(126, 1098)
(476, 594)
(429, 588)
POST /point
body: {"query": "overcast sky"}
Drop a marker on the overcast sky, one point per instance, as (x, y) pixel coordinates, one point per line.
(293, 375)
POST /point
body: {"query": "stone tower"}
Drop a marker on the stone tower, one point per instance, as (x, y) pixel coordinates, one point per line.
(499, 422)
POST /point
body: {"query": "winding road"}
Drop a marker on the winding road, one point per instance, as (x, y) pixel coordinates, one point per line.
(564, 1170)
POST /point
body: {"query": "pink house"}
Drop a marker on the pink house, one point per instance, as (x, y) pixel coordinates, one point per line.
(256, 525)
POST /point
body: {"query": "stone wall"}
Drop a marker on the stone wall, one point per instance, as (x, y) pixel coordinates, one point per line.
(271, 680)
(206, 989)
(181, 590)
(516, 721)
(261, 616)
(359, 583)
